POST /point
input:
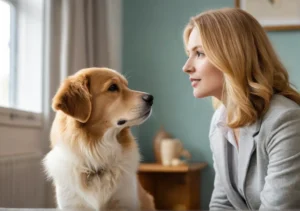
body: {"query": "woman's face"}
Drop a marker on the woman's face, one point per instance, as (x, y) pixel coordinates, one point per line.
(205, 78)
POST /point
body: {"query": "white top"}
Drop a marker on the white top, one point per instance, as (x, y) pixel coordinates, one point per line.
(233, 150)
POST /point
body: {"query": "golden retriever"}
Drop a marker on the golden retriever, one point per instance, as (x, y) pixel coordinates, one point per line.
(94, 158)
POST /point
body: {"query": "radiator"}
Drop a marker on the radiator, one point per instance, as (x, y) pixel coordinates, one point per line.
(22, 181)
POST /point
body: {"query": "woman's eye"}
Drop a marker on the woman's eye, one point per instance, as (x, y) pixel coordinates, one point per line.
(113, 88)
(200, 54)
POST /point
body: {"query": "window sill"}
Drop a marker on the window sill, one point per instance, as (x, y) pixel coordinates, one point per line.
(19, 118)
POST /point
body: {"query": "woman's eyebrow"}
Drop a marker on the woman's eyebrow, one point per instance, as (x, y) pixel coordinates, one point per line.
(195, 47)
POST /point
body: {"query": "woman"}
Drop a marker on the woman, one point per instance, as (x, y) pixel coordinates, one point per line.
(255, 131)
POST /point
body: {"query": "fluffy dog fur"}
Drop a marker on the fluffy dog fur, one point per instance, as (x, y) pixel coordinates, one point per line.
(94, 158)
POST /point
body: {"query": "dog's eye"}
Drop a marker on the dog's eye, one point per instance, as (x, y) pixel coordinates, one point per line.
(113, 88)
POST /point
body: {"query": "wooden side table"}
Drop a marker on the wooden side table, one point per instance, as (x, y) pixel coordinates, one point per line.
(174, 187)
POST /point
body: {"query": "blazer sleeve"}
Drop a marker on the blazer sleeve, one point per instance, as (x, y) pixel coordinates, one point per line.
(282, 183)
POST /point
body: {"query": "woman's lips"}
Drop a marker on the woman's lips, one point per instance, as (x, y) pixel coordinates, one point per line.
(194, 81)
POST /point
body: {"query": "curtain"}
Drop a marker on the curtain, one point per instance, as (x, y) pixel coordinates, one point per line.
(75, 37)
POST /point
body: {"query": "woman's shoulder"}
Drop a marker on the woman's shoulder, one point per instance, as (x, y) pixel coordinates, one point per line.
(281, 110)
(281, 106)
(282, 115)
(279, 132)
(280, 101)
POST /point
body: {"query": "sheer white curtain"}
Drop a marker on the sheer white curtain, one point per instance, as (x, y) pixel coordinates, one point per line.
(76, 36)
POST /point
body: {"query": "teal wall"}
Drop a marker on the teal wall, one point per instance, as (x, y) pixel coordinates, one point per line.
(287, 46)
(153, 57)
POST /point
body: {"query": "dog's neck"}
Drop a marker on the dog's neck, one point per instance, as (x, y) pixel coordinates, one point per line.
(112, 145)
(106, 150)
(96, 151)
(90, 174)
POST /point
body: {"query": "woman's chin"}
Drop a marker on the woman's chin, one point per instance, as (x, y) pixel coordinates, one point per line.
(198, 94)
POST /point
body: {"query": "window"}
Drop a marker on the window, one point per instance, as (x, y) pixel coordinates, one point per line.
(7, 53)
(21, 61)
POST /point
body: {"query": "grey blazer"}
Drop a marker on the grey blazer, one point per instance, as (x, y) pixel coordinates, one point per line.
(269, 173)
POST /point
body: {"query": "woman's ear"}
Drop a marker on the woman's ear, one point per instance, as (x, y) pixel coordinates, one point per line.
(74, 99)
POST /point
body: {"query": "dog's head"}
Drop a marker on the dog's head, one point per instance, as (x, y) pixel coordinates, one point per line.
(99, 98)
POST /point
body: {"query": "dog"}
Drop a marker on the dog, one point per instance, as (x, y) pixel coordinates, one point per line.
(94, 157)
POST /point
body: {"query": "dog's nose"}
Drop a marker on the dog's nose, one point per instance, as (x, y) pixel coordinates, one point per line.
(148, 99)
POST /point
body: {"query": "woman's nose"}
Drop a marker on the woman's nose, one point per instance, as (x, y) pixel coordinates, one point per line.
(188, 68)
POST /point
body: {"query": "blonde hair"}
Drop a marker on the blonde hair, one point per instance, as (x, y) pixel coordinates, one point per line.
(236, 44)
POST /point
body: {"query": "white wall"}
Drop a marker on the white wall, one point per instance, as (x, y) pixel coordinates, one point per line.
(19, 140)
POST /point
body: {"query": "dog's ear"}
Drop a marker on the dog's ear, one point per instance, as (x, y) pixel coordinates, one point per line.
(74, 99)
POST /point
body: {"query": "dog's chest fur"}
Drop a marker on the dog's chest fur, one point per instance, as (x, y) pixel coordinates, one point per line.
(95, 178)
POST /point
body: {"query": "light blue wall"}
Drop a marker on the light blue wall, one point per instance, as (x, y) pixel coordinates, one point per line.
(153, 57)
(287, 45)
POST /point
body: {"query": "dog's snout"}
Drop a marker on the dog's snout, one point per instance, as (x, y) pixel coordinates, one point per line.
(148, 99)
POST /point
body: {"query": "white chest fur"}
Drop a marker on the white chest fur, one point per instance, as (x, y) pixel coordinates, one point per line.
(116, 186)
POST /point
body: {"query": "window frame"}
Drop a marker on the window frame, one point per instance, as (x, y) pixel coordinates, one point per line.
(13, 52)
(11, 116)
(19, 118)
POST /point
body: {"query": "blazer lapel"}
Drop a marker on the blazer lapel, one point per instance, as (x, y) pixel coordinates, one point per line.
(220, 145)
(247, 147)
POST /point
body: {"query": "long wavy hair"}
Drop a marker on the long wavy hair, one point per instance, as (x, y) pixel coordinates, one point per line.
(236, 44)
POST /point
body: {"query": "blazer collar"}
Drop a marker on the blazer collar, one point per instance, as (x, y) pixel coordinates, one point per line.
(248, 141)
(219, 145)
(247, 146)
